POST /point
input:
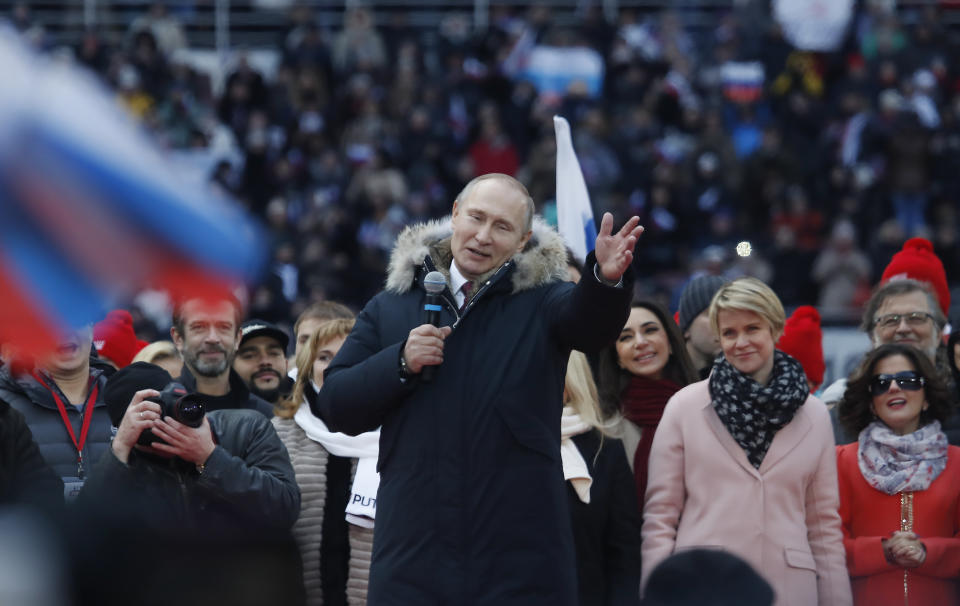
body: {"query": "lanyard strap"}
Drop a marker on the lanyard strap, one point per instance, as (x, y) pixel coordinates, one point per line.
(87, 415)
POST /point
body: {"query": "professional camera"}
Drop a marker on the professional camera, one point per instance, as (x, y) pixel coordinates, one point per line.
(179, 404)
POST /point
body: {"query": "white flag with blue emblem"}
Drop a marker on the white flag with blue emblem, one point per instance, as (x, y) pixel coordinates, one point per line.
(574, 213)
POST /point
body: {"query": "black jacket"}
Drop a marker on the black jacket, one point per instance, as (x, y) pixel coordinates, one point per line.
(25, 479)
(239, 397)
(247, 483)
(472, 505)
(38, 408)
(606, 531)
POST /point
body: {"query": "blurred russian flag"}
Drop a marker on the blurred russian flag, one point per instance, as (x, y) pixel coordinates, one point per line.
(574, 213)
(743, 81)
(90, 211)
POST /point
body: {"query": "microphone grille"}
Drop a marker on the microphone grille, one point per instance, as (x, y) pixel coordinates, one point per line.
(434, 282)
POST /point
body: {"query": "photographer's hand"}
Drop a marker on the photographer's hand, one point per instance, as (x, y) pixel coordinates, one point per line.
(193, 444)
(139, 415)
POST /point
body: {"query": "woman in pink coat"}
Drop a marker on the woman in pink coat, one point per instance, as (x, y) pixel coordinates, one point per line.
(744, 461)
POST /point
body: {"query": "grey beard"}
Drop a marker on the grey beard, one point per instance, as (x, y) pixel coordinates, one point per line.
(208, 369)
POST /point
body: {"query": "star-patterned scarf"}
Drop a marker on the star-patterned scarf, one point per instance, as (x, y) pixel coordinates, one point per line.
(754, 413)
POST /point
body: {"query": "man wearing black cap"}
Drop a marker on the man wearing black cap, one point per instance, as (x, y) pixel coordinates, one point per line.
(261, 360)
(231, 471)
(703, 345)
(207, 332)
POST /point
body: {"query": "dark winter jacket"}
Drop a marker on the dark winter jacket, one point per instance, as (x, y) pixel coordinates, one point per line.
(606, 532)
(25, 479)
(36, 404)
(238, 398)
(247, 483)
(472, 502)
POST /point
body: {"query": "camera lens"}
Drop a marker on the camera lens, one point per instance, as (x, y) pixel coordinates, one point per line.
(189, 411)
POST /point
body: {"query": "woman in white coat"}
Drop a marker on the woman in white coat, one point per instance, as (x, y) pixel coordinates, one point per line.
(743, 461)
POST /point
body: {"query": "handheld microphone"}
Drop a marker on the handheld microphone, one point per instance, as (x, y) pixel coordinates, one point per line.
(434, 283)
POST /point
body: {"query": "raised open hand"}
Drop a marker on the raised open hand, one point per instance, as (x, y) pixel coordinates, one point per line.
(615, 251)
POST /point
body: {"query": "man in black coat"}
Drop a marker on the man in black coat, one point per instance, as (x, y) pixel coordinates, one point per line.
(61, 400)
(25, 479)
(472, 501)
(232, 471)
(198, 515)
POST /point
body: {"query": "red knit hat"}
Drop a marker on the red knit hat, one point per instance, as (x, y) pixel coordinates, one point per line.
(114, 338)
(917, 260)
(803, 340)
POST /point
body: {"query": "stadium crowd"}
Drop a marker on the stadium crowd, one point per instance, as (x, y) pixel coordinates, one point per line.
(826, 164)
(686, 454)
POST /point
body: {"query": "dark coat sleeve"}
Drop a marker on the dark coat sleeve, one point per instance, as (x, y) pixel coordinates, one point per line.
(951, 426)
(108, 477)
(622, 535)
(606, 307)
(261, 482)
(26, 478)
(362, 384)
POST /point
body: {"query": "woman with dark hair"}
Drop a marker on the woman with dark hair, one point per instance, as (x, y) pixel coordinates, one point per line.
(900, 482)
(646, 365)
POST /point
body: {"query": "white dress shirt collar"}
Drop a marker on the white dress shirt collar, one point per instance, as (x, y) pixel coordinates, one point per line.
(456, 283)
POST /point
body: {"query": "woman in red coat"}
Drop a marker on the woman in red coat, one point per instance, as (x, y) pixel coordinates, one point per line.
(899, 483)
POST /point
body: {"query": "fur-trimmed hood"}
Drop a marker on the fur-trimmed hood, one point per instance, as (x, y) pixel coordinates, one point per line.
(542, 261)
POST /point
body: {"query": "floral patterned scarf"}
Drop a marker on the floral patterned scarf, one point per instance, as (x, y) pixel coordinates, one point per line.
(893, 463)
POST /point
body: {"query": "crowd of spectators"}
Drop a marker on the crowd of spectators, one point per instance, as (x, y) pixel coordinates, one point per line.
(836, 160)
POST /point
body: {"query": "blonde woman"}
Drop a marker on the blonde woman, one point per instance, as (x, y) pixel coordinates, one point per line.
(603, 501)
(163, 354)
(337, 478)
(743, 461)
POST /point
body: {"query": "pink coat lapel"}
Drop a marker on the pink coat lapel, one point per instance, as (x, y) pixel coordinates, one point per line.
(724, 437)
(788, 438)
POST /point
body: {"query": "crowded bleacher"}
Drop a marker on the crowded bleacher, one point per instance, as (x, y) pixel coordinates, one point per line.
(770, 368)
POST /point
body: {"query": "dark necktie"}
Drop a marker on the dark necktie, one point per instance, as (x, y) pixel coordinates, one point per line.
(466, 289)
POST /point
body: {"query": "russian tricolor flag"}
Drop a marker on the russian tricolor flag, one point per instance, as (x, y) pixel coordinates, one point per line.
(90, 211)
(742, 80)
(574, 214)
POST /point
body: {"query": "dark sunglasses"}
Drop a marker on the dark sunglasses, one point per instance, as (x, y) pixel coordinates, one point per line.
(908, 380)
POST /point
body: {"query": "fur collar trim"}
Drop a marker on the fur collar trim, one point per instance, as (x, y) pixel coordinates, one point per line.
(542, 261)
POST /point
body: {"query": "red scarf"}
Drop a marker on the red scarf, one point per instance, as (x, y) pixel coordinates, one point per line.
(642, 403)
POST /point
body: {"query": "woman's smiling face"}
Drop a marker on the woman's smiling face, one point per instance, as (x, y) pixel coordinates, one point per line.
(898, 408)
(746, 339)
(643, 349)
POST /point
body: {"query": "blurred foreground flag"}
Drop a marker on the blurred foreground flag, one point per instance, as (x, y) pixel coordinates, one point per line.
(90, 211)
(574, 213)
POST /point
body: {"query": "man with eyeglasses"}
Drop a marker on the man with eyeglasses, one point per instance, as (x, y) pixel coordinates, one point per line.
(901, 311)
